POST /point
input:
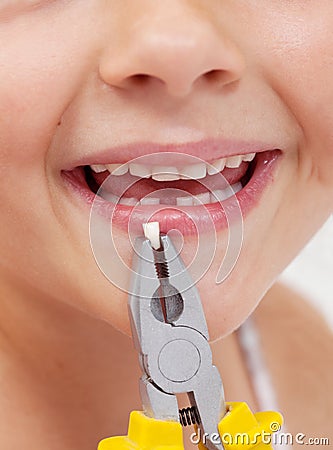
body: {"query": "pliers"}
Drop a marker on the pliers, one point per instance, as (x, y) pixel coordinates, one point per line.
(171, 336)
(170, 333)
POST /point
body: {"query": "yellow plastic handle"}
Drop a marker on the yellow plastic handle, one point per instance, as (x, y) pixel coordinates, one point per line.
(239, 429)
(146, 433)
(243, 430)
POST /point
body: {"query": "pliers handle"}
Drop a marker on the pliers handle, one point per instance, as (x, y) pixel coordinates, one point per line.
(239, 429)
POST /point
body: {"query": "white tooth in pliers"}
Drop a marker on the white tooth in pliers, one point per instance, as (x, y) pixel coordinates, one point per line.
(152, 232)
(195, 171)
(98, 168)
(165, 173)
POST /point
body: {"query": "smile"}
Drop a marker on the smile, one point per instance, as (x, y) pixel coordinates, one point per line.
(178, 190)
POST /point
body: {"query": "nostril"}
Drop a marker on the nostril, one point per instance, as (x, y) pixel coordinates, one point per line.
(140, 78)
(221, 78)
(136, 80)
(213, 75)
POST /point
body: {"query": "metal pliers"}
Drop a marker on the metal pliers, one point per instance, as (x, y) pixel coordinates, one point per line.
(171, 336)
(170, 333)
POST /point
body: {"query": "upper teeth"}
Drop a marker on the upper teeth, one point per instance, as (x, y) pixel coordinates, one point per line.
(171, 173)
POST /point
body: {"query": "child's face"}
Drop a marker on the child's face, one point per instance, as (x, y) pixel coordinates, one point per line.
(71, 93)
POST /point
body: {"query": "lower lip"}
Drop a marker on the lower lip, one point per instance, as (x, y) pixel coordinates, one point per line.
(189, 220)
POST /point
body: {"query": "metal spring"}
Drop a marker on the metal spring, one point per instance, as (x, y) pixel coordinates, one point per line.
(189, 416)
(162, 270)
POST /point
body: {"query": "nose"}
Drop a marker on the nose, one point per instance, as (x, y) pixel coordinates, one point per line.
(170, 44)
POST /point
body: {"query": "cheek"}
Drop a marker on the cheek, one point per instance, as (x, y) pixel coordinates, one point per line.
(29, 113)
(297, 59)
(42, 65)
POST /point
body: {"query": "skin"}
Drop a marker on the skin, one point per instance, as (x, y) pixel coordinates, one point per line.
(68, 88)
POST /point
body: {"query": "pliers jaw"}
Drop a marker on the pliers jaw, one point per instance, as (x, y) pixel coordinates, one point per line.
(148, 265)
(171, 335)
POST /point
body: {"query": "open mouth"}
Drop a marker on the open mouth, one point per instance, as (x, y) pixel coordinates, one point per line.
(180, 193)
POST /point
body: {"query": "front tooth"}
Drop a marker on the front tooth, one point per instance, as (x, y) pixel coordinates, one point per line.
(185, 201)
(249, 157)
(139, 170)
(233, 161)
(217, 166)
(108, 196)
(150, 201)
(98, 168)
(194, 171)
(219, 195)
(117, 169)
(237, 187)
(112, 167)
(202, 199)
(129, 201)
(165, 173)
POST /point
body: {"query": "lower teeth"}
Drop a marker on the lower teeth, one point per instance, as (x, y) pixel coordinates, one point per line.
(205, 198)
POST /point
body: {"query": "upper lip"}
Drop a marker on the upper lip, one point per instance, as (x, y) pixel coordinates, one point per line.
(208, 150)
